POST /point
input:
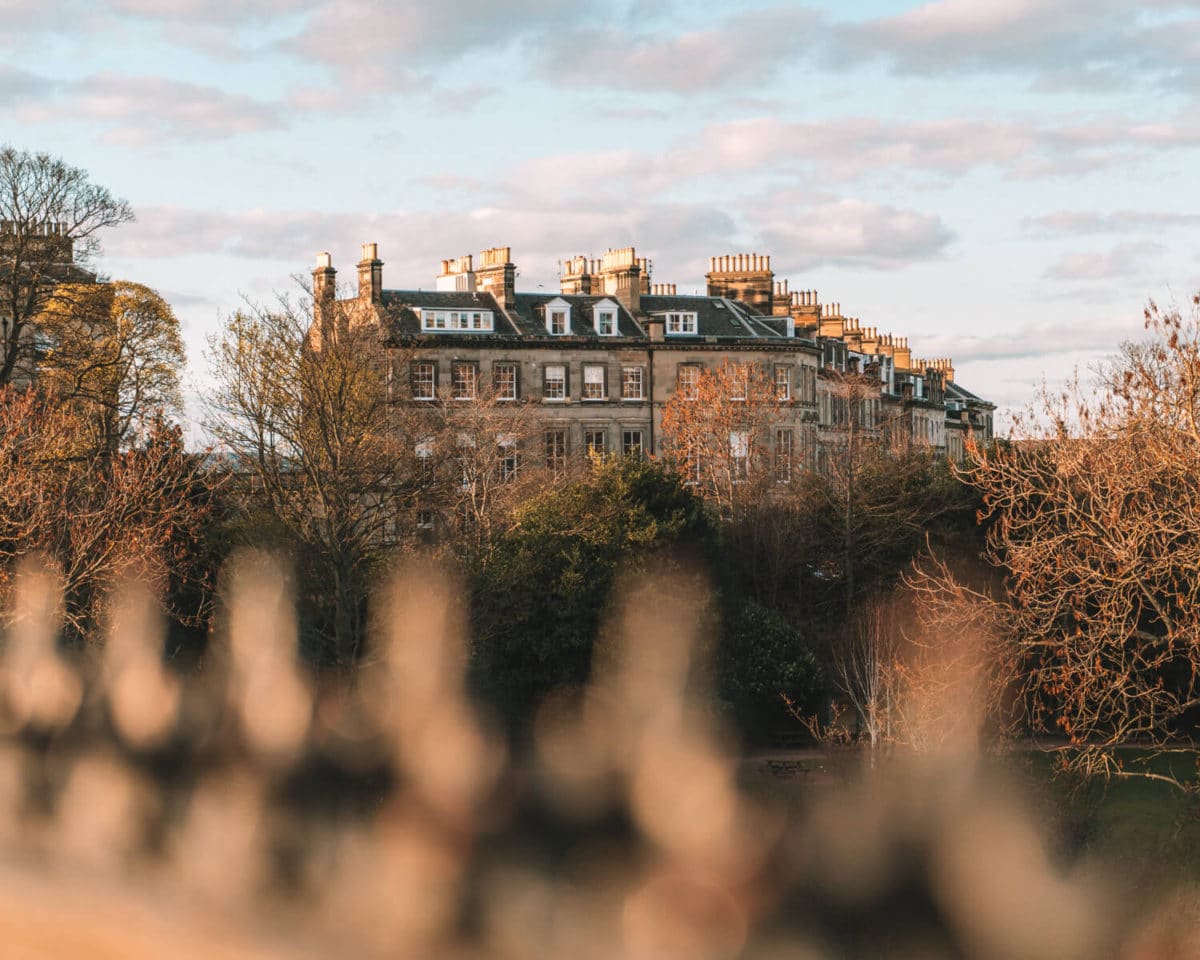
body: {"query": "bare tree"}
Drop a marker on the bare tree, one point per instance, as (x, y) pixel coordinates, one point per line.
(879, 492)
(325, 453)
(482, 456)
(717, 430)
(50, 218)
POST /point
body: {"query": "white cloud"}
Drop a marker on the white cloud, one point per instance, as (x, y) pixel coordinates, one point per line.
(737, 52)
(1123, 260)
(1085, 222)
(1082, 44)
(151, 109)
(850, 232)
(1089, 337)
(374, 46)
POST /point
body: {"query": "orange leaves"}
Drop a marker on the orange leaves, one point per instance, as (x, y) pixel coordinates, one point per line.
(94, 517)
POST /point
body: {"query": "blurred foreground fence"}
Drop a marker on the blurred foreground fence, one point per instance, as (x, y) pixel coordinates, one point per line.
(239, 812)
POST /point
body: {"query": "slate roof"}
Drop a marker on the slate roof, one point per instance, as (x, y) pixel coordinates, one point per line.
(715, 317)
(530, 316)
(402, 305)
(955, 391)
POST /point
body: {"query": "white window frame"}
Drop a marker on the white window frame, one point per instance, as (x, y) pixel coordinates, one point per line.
(471, 383)
(547, 395)
(556, 455)
(457, 321)
(610, 308)
(680, 323)
(688, 381)
(739, 455)
(741, 382)
(784, 395)
(785, 449)
(508, 451)
(514, 368)
(641, 383)
(590, 372)
(558, 306)
(627, 449)
(432, 384)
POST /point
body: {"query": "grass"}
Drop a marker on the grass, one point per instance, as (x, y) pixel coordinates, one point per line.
(1145, 829)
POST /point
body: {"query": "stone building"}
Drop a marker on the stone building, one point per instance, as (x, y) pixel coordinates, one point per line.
(600, 358)
(34, 259)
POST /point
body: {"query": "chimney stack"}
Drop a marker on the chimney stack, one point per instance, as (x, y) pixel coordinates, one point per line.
(497, 275)
(370, 274)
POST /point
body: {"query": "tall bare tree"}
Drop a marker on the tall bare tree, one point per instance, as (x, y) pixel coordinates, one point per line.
(323, 450)
(878, 491)
(50, 218)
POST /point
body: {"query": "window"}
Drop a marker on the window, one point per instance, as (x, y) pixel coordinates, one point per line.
(808, 385)
(555, 382)
(631, 443)
(424, 519)
(681, 323)
(595, 441)
(606, 321)
(465, 380)
(593, 381)
(783, 456)
(558, 317)
(556, 450)
(740, 377)
(504, 377)
(506, 451)
(783, 383)
(695, 465)
(633, 383)
(423, 378)
(424, 454)
(739, 454)
(456, 320)
(688, 381)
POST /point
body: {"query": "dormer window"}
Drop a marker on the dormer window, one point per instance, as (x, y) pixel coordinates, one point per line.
(558, 318)
(681, 323)
(605, 314)
(474, 321)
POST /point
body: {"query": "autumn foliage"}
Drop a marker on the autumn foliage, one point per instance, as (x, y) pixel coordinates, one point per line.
(95, 518)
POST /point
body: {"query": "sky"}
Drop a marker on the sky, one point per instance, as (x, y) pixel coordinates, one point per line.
(1004, 182)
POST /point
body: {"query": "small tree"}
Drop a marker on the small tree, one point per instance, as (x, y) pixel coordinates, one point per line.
(50, 219)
